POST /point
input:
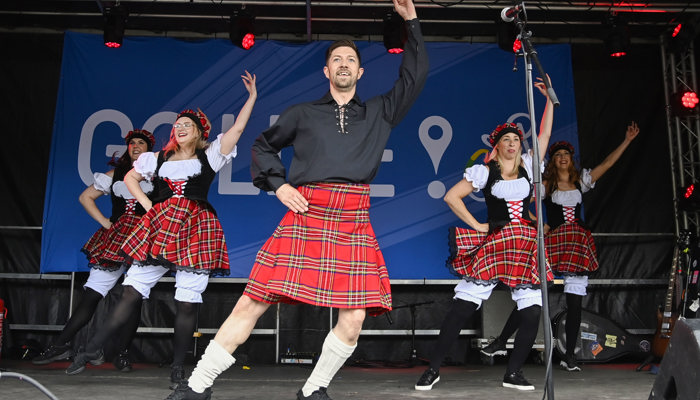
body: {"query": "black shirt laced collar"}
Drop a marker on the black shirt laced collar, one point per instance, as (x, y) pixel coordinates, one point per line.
(328, 98)
(343, 112)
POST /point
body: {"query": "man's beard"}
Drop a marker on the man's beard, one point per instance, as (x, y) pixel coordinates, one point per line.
(344, 84)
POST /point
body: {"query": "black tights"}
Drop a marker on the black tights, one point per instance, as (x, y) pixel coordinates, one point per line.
(459, 313)
(129, 329)
(126, 315)
(573, 321)
(81, 316)
(529, 319)
(85, 311)
(526, 322)
(185, 324)
(510, 327)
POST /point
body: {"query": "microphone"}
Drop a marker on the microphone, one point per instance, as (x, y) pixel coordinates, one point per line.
(508, 14)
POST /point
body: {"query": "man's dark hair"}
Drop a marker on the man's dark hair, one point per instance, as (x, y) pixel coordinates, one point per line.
(343, 43)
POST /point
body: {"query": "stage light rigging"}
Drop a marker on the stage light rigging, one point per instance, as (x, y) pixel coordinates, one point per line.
(689, 197)
(242, 29)
(395, 34)
(683, 33)
(114, 25)
(684, 103)
(617, 40)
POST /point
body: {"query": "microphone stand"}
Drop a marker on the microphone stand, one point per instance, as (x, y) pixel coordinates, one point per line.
(530, 57)
(413, 356)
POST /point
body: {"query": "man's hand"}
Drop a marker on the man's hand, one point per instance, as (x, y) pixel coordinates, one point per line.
(406, 9)
(290, 197)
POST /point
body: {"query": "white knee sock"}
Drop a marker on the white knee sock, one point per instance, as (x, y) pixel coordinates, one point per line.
(214, 361)
(333, 356)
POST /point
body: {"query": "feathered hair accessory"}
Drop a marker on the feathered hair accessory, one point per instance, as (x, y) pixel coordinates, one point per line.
(501, 130)
(561, 145)
(200, 119)
(143, 134)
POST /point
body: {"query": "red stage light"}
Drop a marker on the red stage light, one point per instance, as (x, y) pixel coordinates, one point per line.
(395, 34)
(683, 33)
(689, 99)
(617, 40)
(689, 191)
(689, 198)
(241, 29)
(517, 45)
(677, 30)
(114, 25)
(685, 103)
(248, 41)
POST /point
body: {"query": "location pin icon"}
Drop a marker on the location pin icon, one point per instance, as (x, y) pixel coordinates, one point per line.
(435, 148)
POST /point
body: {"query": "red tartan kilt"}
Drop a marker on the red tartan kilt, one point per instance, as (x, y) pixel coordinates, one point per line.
(571, 249)
(508, 254)
(179, 233)
(328, 256)
(104, 247)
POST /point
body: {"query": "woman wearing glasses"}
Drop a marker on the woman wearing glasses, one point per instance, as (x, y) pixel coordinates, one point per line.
(180, 231)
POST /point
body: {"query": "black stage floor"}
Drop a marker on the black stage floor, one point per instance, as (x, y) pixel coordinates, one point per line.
(147, 381)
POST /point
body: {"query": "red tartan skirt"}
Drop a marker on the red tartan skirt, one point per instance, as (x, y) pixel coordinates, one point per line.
(103, 250)
(508, 255)
(571, 250)
(328, 256)
(180, 234)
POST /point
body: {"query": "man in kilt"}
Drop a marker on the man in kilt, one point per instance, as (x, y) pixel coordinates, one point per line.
(106, 262)
(502, 250)
(324, 251)
(569, 243)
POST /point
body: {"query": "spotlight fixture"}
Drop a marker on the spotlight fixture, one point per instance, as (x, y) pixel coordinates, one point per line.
(689, 197)
(677, 30)
(114, 24)
(507, 36)
(241, 30)
(394, 33)
(618, 38)
(682, 33)
(517, 45)
(684, 103)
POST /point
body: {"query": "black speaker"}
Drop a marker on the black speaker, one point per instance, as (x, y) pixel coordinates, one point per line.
(679, 372)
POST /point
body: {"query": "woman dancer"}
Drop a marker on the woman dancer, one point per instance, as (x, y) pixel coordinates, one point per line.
(102, 250)
(180, 230)
(503, 249)
(570, 247)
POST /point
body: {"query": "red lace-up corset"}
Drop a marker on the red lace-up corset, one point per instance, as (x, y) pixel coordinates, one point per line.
(130, 207)
(515, 210)
(178, 187)
(569, 213)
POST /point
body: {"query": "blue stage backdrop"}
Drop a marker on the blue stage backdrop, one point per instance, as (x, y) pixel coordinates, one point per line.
(106, 92)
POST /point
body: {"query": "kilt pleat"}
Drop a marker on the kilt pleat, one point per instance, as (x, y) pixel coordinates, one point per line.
(180, 234)
(571, 250)
(103, 249)
(328, 256)
(508, 255)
